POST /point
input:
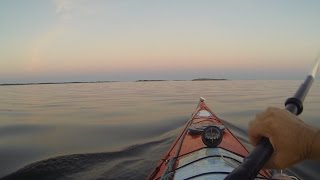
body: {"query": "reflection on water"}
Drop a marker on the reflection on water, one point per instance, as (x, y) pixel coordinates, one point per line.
(113, 130)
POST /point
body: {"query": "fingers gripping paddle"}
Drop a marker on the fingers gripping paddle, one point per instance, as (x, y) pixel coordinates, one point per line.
(260, 155)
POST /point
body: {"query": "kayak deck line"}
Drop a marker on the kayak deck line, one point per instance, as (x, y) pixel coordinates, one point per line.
(189, 157)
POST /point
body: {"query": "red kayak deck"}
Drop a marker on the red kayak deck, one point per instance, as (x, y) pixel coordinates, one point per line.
(191, 143)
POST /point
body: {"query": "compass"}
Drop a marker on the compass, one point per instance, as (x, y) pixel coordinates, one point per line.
(212, 136)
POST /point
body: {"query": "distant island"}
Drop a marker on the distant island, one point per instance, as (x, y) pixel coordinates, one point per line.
(208, 79)
(79, 82)
(147, 80)
(198, 79)
(43, 83)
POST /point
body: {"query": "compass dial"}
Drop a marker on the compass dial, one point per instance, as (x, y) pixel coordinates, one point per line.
(211, 136)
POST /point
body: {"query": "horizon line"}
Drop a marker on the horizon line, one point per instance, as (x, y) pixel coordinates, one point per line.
(138, 81)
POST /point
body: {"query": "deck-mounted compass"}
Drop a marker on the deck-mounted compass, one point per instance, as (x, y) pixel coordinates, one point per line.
(212, 136)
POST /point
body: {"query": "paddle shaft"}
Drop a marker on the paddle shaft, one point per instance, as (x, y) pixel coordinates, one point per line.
(252, 164)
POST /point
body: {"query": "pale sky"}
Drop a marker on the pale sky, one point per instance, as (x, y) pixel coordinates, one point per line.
(90, 40)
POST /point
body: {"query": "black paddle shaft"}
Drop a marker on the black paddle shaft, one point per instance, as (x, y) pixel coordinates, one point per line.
(253, 163)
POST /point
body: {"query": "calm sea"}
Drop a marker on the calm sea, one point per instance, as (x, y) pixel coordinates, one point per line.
(120, 130)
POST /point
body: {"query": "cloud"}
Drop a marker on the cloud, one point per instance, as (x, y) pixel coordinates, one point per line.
(37, 52)
(64, 8)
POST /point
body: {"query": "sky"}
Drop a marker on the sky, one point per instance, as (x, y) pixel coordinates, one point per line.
(125, 40)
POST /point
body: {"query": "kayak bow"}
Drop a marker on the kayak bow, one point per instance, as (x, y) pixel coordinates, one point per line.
(205, 149)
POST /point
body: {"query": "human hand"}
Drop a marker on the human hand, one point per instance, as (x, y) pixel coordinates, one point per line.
(291, 138)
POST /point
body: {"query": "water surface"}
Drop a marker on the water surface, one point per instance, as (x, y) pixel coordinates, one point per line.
(120, 130)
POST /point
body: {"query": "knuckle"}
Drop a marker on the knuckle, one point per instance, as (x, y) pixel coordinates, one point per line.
(269, 109)
(272, 109)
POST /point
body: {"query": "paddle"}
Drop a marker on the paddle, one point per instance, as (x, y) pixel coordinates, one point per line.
(252, 164)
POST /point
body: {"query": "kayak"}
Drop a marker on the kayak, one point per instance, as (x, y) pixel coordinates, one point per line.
(205, 149)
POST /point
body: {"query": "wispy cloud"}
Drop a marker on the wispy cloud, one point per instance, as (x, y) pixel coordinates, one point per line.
(36, 60)
(64, 8)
